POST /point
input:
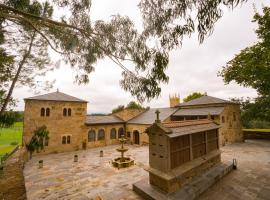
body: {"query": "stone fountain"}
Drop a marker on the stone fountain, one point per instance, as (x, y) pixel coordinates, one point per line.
(122, 162)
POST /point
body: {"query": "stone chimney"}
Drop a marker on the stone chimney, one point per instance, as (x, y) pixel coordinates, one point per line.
(174, 100)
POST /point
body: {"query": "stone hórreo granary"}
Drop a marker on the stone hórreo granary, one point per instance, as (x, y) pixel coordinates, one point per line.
(180, 152)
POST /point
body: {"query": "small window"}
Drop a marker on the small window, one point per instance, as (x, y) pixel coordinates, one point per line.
(223, 119)
(91, 136)
(101, 134)
(47, 112)
(234, 116)
(64, 140)
(113, 133)
(69, 112)
(68, 139)
(42, 112)
(65, 112)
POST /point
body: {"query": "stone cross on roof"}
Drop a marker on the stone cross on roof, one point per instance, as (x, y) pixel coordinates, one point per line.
(157, 119)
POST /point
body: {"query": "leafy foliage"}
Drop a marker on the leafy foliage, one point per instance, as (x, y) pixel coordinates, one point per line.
(192, 96)
(118, 109)
(251, 68)
(7, 119)
(170, 20)
(130, 105)
(37, 142)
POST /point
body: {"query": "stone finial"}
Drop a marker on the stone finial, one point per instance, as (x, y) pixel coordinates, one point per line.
(157, 119)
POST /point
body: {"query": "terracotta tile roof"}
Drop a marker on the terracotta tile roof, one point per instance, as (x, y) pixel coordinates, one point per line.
(56, 96)
(199, 111)
(107, 119)
(179, 128)
(204, 100)
(149, 116)
(174, 124)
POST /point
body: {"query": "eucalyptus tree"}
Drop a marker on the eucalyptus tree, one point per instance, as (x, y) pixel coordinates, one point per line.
(81, 42)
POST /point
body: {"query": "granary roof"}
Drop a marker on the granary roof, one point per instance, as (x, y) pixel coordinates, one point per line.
(149, 116)
(199, 111)
(204, 100)
(56, 96)
(107, 119)
(179, 128)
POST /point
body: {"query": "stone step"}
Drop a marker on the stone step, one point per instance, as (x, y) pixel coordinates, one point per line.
(188, 192)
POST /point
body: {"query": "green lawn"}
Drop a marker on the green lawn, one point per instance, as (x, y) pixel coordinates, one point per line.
(257, 130)
(9, 135)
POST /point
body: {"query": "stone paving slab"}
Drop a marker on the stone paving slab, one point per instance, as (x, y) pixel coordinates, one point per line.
(92, 176)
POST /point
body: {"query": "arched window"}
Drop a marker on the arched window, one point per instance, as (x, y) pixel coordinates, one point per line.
(101, 134)
(121, 132)
(47, 112)
(64, 140)
(68, 139)
(65, 112)
(69, 112)
(113, 133)
(42, 112)
(91, 136)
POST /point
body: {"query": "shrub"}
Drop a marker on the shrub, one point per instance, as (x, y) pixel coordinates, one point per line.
(14, 143)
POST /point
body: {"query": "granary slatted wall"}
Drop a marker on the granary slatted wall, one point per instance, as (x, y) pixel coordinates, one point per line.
(188, 147)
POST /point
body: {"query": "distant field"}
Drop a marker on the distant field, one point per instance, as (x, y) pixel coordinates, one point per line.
(257, 130)
(9, 135)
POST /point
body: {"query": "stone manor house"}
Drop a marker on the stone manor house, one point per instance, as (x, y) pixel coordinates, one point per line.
(70, 128)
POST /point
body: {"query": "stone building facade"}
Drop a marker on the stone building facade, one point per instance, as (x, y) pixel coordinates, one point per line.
(70, 128)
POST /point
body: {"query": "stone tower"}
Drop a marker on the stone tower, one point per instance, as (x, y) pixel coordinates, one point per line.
(174, 100)
(63, 115)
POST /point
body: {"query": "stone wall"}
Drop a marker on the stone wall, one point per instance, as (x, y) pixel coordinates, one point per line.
(57, 124)
(141, 128)
(231, 128)
(11, 178)
(128, 114)
(107, 128)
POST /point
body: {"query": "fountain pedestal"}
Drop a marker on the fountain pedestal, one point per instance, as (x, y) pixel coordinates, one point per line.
(122, 162)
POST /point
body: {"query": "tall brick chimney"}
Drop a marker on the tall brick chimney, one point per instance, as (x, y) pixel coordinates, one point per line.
(174, 100)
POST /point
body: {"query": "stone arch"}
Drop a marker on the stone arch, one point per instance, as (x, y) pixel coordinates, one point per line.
(91, 135)
(136, 137)
(65, 112)
(47, 112)
(42, 112)
(101, 134)
(69, 112)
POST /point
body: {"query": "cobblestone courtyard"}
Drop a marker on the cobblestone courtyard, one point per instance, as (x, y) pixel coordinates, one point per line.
(92, 176)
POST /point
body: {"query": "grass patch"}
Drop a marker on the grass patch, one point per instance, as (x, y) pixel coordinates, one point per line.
(9, 137)
(257, 130)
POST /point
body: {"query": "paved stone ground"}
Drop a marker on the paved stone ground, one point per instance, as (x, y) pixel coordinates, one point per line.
(93, 177)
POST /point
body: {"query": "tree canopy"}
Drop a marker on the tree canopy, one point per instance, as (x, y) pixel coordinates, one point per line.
(130, 105)
(192, 96)
(81, 42)
(251, 68)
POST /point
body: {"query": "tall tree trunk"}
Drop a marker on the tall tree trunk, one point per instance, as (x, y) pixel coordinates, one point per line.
(15, 79)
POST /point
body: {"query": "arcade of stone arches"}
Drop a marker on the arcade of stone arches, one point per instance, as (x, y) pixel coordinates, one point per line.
(115, 133)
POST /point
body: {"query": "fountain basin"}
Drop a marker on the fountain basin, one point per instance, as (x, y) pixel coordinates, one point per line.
(122, 162)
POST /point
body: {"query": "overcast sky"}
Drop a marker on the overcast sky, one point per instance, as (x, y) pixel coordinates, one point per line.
(191, 68)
